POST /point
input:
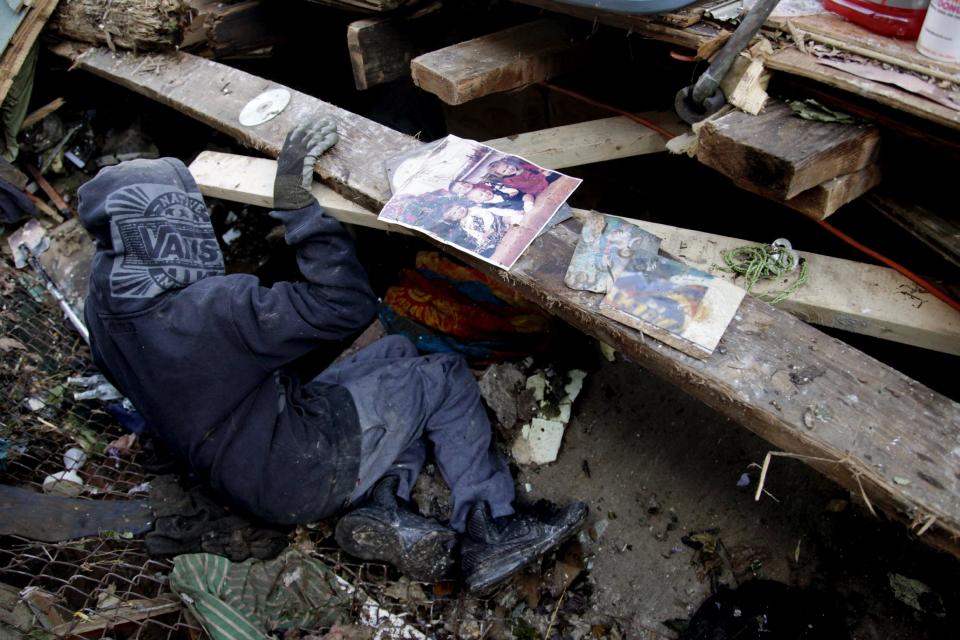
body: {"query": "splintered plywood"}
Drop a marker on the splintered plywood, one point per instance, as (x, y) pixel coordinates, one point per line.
(781, 155)
(501, 61)
(875, 426)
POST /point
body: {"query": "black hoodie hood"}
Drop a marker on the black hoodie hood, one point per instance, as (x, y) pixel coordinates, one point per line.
(152, 230)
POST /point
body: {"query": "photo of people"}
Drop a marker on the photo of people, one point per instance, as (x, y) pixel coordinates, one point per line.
(464, 193)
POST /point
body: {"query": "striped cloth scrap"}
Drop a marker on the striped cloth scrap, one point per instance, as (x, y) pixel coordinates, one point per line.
(252, 599)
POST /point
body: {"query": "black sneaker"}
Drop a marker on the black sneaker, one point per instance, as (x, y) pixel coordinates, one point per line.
(496, 549)
(387, 529)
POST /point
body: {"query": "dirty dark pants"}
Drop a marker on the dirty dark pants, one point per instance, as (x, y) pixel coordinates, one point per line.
(407, 402)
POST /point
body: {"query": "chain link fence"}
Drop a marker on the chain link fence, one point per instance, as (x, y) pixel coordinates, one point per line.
(107, 586)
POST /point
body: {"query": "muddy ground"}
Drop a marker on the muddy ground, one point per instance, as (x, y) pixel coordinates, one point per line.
(656, 466)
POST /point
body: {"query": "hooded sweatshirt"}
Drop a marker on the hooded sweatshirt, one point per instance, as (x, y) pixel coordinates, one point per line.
(205, 356)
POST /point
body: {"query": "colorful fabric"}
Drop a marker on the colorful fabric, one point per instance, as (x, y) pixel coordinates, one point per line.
(456, 272)
(437, 303)
(252, 599)
(443, 306)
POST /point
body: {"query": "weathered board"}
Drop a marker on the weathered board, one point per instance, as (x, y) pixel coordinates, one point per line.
(587, 142)
(250, 181)
(934, 230)
(792, 61)
(502, 61)
(215, 93)
(780, 155)
(833, 30)
(123, 24)
(381, 48)
(885, 436)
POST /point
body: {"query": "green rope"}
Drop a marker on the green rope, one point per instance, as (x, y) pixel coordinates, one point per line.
(765, 262)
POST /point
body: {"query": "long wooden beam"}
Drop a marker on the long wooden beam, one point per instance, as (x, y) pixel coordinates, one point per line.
(863, 424)
(842, 294)
(593, 141)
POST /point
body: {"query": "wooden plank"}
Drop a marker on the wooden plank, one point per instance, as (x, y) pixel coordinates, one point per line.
(831, 29)
(824, 199)
(879, 429)
(132, 610)
(250, 181)
(781, 155)
(703, 38)
(792, 61)
(842, 294)
(40, 113)
(19, 48)
(502, 61)
(934, 230)
(380, 51)
(588, 142)
(195, 86)
(381, 48)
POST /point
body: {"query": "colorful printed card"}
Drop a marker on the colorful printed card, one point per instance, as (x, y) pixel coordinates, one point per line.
(606, 246)
(681, 306)
(466, 194)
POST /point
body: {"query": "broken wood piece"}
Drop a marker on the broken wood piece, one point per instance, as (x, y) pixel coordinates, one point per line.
(250, 181)
(824, 199)
(130, 611)
(860, 405)
(502, 61)
(588, 142)
(65, 210)
(222, 30)
(745, 85)
(934, 230)
(21, 43)
(40, 113)
(47, 518)
(122, 24)
(781, 155)
(832, 30)
(381, 48)
(794, 62)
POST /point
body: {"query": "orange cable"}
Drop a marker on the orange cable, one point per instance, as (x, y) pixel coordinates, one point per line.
(896, 266)
(609, 107)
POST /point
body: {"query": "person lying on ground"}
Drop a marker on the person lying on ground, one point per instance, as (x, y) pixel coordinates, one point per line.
(207, 359)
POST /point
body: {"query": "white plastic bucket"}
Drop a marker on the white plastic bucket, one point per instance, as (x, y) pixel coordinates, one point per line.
(940, 35)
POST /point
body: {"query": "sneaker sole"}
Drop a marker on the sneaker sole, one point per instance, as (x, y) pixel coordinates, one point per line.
(429, 560)
(483, 586)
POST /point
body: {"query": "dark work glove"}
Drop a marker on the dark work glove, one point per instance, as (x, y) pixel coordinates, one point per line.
(304, 144)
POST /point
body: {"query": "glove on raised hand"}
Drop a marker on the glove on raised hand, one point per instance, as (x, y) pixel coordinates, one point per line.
(304, 144)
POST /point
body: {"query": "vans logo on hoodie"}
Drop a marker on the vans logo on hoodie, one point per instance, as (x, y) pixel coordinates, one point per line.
(162, 240)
